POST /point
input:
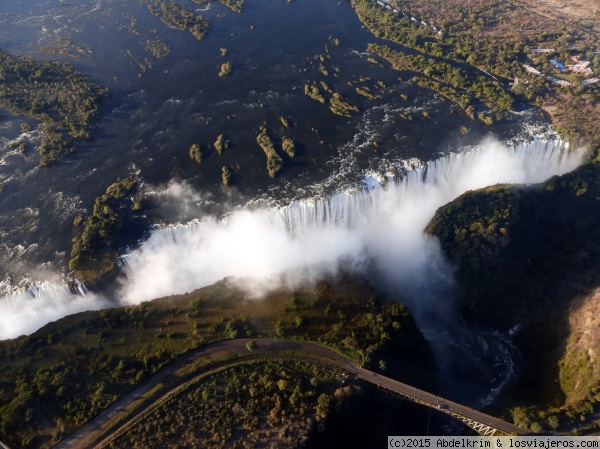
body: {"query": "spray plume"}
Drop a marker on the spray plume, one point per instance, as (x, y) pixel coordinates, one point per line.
(374, 230)
(380, 227)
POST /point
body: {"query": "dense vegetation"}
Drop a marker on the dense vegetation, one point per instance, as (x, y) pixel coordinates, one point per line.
(221, 144)
(475, 49)
(314, 93)
(453, 43)
(455, 84)
(234, 5)
(522, 230)
(195, 153)
(178, 17)
(340, 106)
(271, 402)
(55, 94)
(242, 407)
(94, 251)
(225, 176)
(337, 104)
(274, 162)
(287, 144)
(158, 48)
(225, 69)
(365, 91)
(523, 255)
(61, 376)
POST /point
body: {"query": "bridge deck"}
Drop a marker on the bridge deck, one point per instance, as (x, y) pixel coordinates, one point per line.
(439, 403)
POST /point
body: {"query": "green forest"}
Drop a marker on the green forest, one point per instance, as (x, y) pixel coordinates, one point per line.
(478, 54)
(70, 370)
(178, 17)
(243, 406)
(55, 94)
(95, 247)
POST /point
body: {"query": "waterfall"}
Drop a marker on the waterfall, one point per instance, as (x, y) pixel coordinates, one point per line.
(26, 310)
(530, 162)
(382, 225)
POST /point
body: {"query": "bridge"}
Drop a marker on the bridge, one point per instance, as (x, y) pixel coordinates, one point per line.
(97, 433)
(481, 423)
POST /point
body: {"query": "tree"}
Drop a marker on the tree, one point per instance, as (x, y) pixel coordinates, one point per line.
(196, 303)
(288, 146)
(225, 69)
(196, 153)
(251, 345)
(294, 303)
(553, 422)
(221, 144)
(536, 427)
(323, 404)
(225, 176)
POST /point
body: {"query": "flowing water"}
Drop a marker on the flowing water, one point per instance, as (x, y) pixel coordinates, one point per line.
(359, 192)
(153, 116)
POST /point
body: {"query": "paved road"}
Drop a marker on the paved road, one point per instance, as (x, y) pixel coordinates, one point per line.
(86, 435)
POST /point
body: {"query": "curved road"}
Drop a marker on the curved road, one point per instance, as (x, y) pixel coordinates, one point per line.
(90, 432)
(85, 436)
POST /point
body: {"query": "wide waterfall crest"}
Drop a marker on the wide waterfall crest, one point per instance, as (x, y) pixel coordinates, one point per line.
(382, 223)
(375, 224)
(539, 159)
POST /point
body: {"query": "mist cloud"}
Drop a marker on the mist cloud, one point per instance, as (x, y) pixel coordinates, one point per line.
(378, 232)
(24, 313)
(381, 228)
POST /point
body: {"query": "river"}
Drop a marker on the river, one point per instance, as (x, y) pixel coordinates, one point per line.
(157, 108)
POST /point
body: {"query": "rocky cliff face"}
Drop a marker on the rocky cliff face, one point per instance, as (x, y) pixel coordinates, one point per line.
(580, 365)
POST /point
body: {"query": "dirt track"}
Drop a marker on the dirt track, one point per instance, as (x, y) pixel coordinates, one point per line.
(574, 9)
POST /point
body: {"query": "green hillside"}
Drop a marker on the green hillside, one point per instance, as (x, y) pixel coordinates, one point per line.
(525, 255)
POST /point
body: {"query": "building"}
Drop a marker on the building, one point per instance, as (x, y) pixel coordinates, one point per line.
(590, 81)
(582, 67)
(560, 82)
(532, 70)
